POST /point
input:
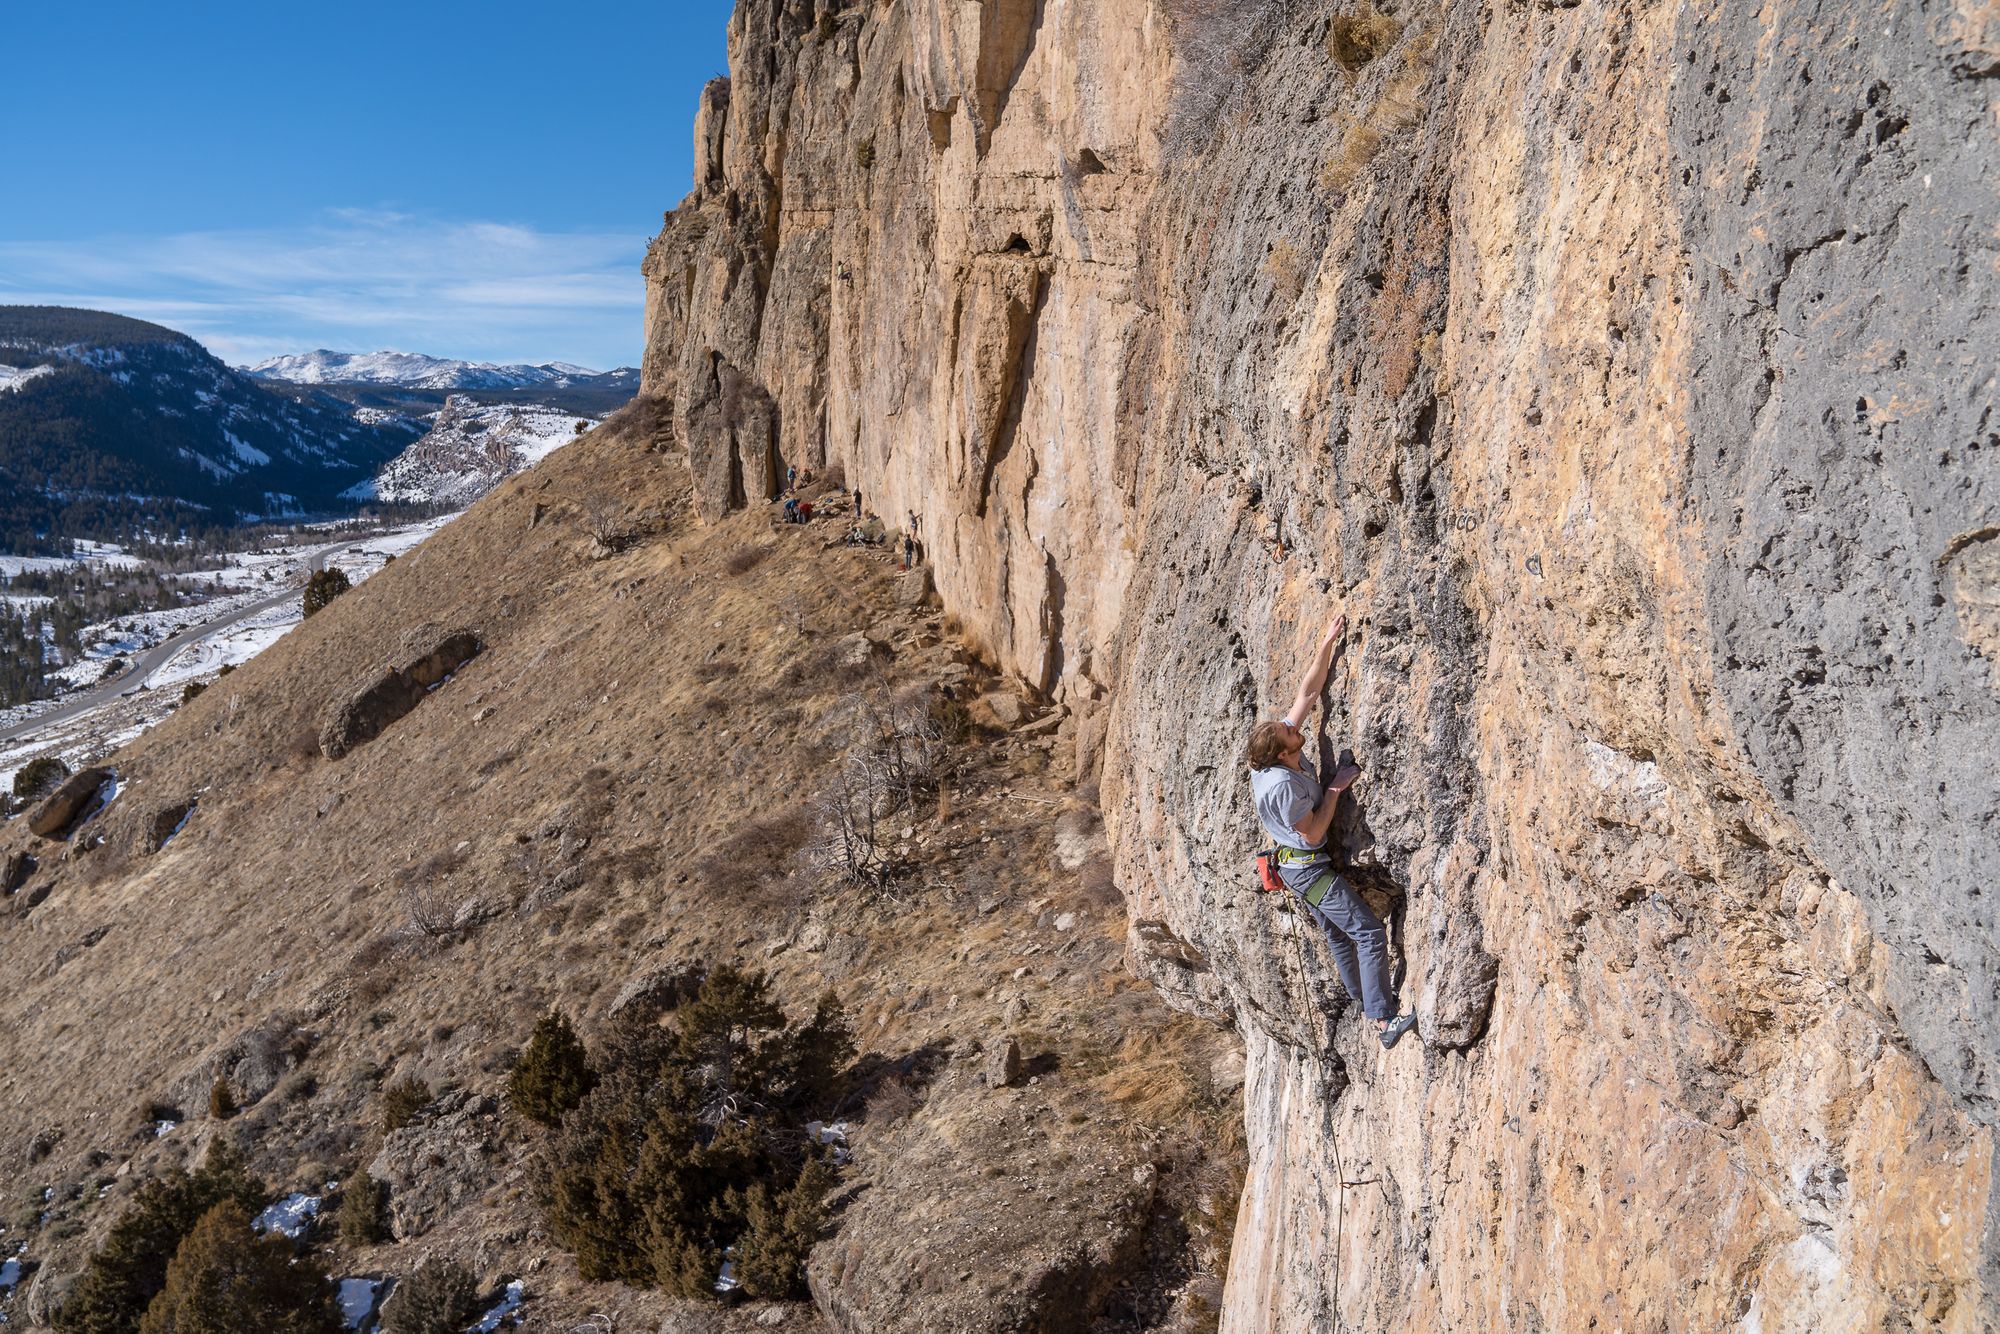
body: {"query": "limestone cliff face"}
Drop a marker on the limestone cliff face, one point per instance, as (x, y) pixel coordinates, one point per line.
(1626, 373)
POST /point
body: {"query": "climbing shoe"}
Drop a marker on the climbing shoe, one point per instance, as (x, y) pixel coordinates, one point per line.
(1398, 1026)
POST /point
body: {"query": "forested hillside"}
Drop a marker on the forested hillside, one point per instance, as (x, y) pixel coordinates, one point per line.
(129, 428)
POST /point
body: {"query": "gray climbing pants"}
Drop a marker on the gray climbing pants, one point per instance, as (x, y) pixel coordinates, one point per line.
(1359, 942)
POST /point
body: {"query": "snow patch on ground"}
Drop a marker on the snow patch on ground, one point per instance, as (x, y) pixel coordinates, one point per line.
(13, 377)
(357, 1299)
(174, 833)
(291, 1215)
(510, 1301)
(833, 1137)
(87, 553)
(230, 648)
(246, 451)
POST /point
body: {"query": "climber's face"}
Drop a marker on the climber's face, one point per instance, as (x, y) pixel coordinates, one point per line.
(1295, 742)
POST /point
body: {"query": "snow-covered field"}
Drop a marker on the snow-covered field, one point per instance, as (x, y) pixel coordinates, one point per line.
(246, 639)
(255, 576)
(13, 377)
(87, 553)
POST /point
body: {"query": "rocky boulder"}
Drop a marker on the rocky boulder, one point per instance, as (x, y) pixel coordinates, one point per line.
(993, 1211)
(61, 808)
(15, 872)
(165, 822)
(439, 1162)
(429, 659)
(1003, 1063)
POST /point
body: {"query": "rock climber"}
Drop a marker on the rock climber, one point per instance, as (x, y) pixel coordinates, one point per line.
(1296, 812)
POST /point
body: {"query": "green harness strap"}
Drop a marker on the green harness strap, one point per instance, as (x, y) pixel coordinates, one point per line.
(1317, 892)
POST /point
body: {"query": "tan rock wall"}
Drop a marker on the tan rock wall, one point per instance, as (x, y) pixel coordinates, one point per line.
(1180, 326)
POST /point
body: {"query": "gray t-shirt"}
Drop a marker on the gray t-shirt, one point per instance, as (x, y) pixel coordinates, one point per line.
(1285, 797)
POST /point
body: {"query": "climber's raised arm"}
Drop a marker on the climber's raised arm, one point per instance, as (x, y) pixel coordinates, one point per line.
(1322, 663)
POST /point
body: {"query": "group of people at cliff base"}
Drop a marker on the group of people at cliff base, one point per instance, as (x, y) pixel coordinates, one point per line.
(868, 531)
(1296, 810)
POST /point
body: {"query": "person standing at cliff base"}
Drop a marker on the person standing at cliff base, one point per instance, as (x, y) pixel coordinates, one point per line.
(1296, 812)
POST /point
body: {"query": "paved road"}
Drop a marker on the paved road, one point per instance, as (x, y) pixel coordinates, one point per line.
(154, 658)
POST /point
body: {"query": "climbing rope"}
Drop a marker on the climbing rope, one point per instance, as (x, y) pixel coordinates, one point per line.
(1324, 1043)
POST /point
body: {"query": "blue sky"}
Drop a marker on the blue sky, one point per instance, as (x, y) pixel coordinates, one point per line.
(467, 180)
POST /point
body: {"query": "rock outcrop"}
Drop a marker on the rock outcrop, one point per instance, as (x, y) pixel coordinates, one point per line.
(62, 808)
(436, 1165)
(15, 870)
(430, 657)
(1626, 375)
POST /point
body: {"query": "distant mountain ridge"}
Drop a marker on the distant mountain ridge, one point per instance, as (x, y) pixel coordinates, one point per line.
(110, 424)
(414, 370)
(470, 448)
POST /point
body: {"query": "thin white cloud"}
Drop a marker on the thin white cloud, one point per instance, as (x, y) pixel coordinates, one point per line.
(360, 280)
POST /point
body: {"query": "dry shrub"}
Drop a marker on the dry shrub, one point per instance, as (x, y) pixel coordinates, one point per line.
(714, 670)
(401, 1102)
(427, 905)
(1287, 269)
(745, 559)
(1356, 151)
(604, 519)
(891, 1101)
(1397, 107)
(302, 744)
(754, 861)
(648, 419)
(1216, 44)
(371, 985)
(631, 864)
(1150, 1076)
(1355, 39)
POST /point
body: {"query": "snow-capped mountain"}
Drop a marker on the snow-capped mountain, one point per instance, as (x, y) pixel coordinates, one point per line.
(469, 450)
(108, 421)
(414, 370)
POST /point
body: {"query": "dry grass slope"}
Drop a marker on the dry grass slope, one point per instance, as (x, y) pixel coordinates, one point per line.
(617, 786)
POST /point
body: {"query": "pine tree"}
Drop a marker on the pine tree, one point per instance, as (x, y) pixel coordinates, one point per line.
(221, 1099)
(324, 587)
(121, 1280)
(771, 1257)
(439, 1298)
(401, 1102)
(361, 1201)
(225, 1279)
(553, 1073)
(39, 777)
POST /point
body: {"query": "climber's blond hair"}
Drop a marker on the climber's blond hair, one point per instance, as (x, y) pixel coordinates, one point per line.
(1268, 744)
